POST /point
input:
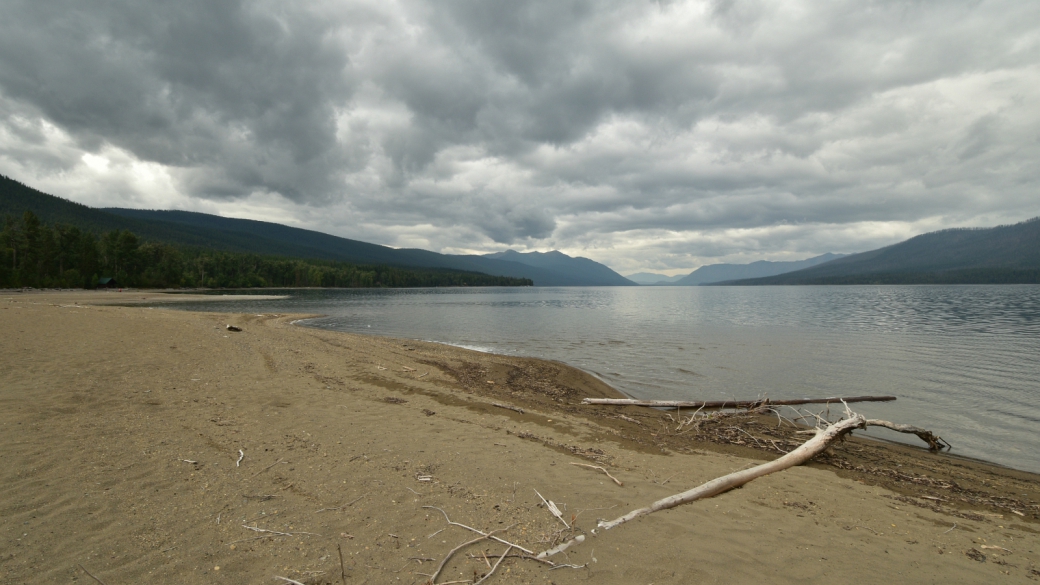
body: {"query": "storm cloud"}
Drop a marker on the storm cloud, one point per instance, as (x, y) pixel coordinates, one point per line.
(646, 135)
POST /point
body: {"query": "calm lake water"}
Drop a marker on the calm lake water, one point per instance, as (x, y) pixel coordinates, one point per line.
(963, 360)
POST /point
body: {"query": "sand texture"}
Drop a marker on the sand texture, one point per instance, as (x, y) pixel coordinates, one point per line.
(122, 429)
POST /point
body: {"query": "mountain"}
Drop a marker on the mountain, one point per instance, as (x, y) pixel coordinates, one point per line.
(567, 269)
(723, 272)
(647, 278)
(260, 237)
(999, 255)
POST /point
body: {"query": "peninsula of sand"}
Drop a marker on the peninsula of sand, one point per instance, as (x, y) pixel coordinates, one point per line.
(146, 445)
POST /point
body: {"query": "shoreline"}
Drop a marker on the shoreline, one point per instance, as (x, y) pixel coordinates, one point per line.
(122, 427)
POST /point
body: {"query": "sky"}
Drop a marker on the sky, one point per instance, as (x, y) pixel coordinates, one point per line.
(650, 136)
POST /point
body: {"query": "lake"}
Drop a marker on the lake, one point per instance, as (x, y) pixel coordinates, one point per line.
(964, 361)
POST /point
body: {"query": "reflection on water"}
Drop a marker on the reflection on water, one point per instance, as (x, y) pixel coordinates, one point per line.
(963, 360)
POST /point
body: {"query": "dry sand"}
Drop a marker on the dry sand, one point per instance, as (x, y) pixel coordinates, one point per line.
(122, 427)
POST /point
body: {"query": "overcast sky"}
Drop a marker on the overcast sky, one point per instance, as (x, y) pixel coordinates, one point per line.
(654, 136)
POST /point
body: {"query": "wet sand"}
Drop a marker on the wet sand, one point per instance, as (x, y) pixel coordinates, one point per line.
(122, 430)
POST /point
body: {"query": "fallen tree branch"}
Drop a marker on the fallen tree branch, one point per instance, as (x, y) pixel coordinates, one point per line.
(823, 438)
(616, 480)
(451, 553)
(935, 442)
(750, 404)
(807, 451)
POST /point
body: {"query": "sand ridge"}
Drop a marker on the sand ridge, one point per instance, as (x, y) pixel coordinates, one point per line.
(122, 427)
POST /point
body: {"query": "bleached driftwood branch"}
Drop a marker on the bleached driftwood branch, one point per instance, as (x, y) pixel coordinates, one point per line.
(823, 438)
(731, 403)
(807, 451)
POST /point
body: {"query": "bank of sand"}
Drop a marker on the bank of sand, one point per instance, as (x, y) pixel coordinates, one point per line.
(121, 429)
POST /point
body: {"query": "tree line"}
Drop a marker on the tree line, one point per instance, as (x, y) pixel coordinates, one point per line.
(33, 254)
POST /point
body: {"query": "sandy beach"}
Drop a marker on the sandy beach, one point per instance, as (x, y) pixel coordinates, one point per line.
(156, 446)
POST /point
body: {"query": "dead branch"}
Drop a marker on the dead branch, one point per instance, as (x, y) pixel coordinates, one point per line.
(288, 580)
(823, 438)
(730, 403)
(433, 578)
(497, 563)
(616, 480)
(935, 443)
(807, 451)
(484, 534)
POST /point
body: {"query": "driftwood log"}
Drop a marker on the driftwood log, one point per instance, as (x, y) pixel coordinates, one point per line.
(820, 442)
(807, 451)
(732, 403)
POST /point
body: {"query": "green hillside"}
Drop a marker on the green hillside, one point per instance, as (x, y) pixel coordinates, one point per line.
(265, 238)
(48, 241)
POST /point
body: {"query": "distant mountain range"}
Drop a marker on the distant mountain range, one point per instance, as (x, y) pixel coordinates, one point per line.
(1004, 254)
(1000, 255)
(722, 272)
(259, 237)
(589, 272)
(646, 278)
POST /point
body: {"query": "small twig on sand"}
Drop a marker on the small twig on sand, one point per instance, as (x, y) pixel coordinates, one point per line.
(347, 505)
(266, 468)
(241, 456)
(951, 528)
(190, 461)
(747, 433)
(276, 533)
(497, 563)
(508, 407)
(563, 566)
(551, 506)
(484, 534)
(288, 580)
(92, 576)
(616, 480)
(342, 570)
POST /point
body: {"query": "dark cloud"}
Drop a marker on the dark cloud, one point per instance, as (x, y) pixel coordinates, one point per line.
(644, 134)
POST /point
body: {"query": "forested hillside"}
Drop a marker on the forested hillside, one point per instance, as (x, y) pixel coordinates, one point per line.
(185, 228)
(35, 254)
